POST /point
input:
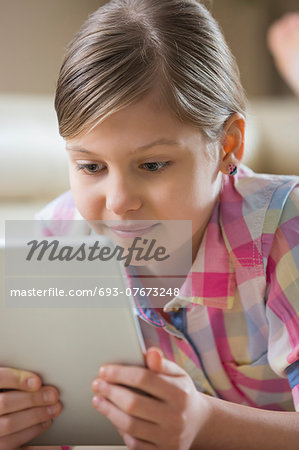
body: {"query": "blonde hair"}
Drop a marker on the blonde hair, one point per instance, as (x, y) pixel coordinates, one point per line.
(128, 47)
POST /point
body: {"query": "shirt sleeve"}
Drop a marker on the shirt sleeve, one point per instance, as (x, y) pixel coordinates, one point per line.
(282, 307)
(60, 217)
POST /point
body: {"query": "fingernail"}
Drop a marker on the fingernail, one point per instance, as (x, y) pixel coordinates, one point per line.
(46, 424)
(97, 400)
(155, 350)
(32, 383)
(96, 385)
(103, 372)
(48, 396)
(53, 409)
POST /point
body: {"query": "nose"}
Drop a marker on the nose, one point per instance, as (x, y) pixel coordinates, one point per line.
(122, 194)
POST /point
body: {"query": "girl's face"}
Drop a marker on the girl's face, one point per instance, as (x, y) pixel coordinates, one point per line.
(141, 163)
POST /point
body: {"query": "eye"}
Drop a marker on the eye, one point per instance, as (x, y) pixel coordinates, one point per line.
(91, 168)
(156, 166)
(95, 168)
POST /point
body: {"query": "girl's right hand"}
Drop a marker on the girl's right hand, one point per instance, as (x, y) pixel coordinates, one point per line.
(26, 410)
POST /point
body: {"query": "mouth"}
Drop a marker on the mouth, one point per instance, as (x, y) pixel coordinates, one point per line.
(133, 230)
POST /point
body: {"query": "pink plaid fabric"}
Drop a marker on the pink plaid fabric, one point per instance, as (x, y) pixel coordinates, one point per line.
(237, 329)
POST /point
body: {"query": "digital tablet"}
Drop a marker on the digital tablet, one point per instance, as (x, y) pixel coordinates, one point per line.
(66, 338)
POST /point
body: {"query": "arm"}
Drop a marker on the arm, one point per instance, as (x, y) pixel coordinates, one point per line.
(242, 427)
(175, 416)
(239, 427)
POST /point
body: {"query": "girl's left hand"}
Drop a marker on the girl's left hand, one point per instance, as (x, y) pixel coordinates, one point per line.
(169, 417)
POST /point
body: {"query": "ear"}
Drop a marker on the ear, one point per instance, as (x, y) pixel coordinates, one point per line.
(232, 143)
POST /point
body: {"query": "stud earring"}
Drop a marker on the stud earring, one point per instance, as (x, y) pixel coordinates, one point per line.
(232, 169)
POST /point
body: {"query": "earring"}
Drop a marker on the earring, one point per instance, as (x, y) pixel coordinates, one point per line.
(232, 169)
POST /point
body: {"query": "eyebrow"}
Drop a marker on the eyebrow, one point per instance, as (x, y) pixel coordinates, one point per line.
(143, 147)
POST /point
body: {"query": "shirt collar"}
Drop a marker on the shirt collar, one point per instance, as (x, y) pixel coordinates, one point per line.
(142, 302)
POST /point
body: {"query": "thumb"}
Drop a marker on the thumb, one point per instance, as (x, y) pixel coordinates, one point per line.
(154, 359)
(11, 378)
(156, 362)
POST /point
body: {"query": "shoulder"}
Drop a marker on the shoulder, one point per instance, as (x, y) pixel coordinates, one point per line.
(251, 195)
(281, 232)
(253, 207)
(264, 188)
(61, 208)
(290, 209)
(61, 217)
(272, 196)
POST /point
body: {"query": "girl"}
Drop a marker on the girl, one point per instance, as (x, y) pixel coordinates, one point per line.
(151, 107)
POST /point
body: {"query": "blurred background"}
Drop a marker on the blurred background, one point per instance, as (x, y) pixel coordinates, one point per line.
(34, 33)
(33, 37)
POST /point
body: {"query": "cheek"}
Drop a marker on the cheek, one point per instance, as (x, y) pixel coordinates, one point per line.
(84, 206)
(195, 200)
(85, 198)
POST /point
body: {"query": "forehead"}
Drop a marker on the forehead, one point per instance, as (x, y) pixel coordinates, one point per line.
(139, 124)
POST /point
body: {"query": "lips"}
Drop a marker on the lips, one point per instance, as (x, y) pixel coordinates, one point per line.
(133, 230)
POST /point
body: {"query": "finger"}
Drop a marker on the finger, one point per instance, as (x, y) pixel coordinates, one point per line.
(140, 429)
(155, 361)
(19, 379)
(12, 423)
(130, 402)
(15, 440)
(131, 442)
(151, 383)
(46, 448)
(17, 400)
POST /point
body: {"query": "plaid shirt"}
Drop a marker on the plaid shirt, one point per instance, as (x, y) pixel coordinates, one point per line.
(234, 327)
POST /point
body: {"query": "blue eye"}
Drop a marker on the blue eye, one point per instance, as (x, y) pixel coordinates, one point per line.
(156, 166)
